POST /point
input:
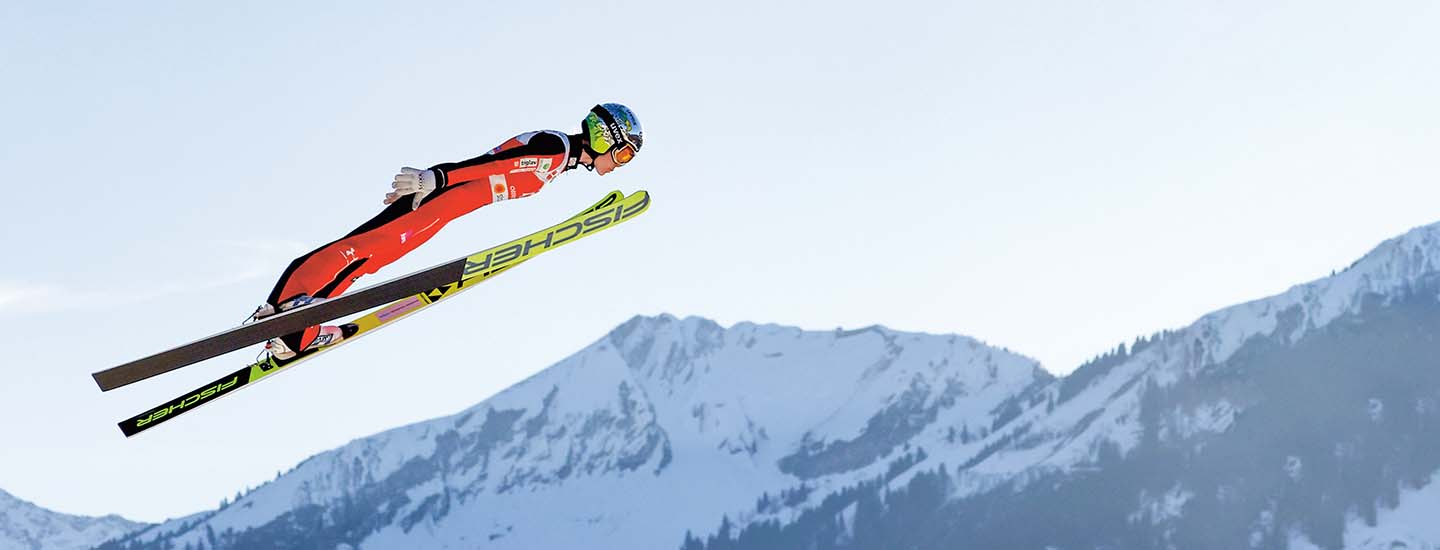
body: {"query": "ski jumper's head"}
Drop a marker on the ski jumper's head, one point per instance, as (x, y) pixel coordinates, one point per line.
(610, 136)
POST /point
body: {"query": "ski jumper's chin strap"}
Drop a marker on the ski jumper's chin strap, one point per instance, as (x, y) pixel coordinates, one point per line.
(579, 143)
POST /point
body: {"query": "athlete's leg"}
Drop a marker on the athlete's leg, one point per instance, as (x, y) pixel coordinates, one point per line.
(330, 270)
(312, 272)
(379, 245)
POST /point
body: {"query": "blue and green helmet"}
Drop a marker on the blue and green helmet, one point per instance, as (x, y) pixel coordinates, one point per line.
(611, 124)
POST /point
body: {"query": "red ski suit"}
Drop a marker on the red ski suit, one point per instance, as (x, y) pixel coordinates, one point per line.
(517, 168)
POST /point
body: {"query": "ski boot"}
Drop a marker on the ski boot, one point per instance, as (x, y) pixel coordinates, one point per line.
(266, 309)
(329, 334)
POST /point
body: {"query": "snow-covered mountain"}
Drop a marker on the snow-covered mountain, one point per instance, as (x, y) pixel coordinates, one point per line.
(25, 526)
(662, 426)
(1310, 419)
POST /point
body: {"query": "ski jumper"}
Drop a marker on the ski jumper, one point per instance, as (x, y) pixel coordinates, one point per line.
(517, 168)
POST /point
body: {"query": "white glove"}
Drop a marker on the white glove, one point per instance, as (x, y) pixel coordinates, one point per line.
(412, 181)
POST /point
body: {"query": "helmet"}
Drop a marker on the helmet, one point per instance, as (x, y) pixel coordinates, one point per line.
(611, 124)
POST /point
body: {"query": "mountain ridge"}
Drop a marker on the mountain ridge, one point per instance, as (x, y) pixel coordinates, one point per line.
(25, 525)
(656, 398)
(777, 427)
(1349, 349)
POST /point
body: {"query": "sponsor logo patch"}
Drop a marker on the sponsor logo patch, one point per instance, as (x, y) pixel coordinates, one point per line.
(546, 171)
(528, 162)
(499, 188)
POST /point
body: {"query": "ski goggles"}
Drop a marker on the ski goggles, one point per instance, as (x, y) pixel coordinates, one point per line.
(622, 154)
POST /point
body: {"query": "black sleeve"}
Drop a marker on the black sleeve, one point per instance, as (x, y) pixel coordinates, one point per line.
(540, 144)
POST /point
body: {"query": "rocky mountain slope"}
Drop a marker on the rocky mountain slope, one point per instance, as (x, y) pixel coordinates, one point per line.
(1310, 419)
(662, 426)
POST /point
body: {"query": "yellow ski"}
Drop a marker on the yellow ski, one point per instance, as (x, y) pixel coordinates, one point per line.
(612, 210)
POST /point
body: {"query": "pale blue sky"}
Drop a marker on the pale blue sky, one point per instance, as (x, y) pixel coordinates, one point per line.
(1052, 177)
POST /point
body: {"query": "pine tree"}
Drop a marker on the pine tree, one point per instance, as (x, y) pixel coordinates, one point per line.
(692, 543)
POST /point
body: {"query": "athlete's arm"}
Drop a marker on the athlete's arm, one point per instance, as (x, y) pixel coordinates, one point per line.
(540, 144)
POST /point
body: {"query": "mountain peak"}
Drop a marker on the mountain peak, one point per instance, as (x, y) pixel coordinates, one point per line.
(26, 525)
(664, 342)
(642, 325)
(650, 410)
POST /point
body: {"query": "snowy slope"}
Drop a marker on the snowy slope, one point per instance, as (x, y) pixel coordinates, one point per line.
(689, 421)
(25, 526)
(1106, 412)
(1411, 525)
(1285, 422)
